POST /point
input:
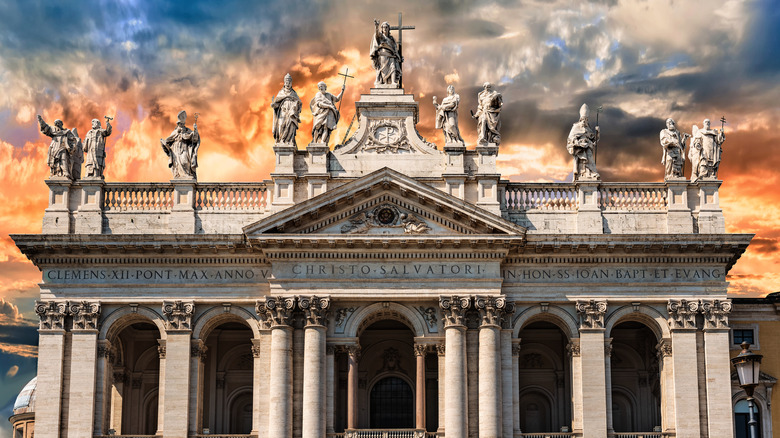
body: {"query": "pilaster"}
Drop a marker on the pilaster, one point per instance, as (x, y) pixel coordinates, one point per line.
(198, 351)
(441, 351)
(666, 370)
(81, 399)
(589, 219)
(717, 366)
(682, 321)
(516, 385)
(176, 352)
(51, 350)
(507, 405)
(592, 368)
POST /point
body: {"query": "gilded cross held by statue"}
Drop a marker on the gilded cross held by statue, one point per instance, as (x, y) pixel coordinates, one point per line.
(401, 28)
(722, 122)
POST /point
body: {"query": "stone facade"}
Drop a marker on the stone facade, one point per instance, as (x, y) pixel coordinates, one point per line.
(387, 283)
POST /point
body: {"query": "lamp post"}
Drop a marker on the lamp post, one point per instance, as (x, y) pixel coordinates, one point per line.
(747, 364)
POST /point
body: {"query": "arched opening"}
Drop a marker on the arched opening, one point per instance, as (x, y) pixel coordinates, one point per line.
(391, 402)
(226, 380)
(545, 378)
(134, 397)
(742, 416)
(636, 380)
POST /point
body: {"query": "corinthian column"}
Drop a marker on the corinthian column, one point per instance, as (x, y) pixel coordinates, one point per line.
(316, 311)
(278, 311)
(490, 397)
(353, 353)
(456, 415)
(419, 354)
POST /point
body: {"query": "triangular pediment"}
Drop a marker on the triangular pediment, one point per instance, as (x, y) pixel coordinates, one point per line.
(384, 202)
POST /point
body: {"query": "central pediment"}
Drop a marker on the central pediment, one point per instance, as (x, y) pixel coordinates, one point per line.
(387, 203)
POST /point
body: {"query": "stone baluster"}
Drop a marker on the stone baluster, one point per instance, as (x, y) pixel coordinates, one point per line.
(682, 321)
(353, 356)
(278, 313)
(315, 310)
(717, 367)
(490, 397)
(175, 353)
(592, 370)
(456, 415)
(419, 406)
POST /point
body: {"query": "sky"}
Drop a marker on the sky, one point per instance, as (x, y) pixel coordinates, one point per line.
(143, 62)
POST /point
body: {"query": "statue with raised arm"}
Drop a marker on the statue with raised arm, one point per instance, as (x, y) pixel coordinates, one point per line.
(182, 148)
(581, 144)
(705, 151)
(385, 56)
(62, 143)
(95, 148)
(287, 113)
(447, 116)
(325, 113)
(489, 106)
(673, 146)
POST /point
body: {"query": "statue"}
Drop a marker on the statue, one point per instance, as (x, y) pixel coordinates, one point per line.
(705, 151)
(673, 145)
(182, 148)
(287, 113)
(325, 113)
(95, 148)
(488, 112)
(385, 56)
(447, 116)
(581, 144)
(76, 156)
(62, 143)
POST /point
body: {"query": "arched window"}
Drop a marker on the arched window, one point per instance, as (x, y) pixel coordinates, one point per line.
(392, 404)
(742, 416)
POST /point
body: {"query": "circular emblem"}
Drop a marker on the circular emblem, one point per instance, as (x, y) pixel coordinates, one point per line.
(385, 216)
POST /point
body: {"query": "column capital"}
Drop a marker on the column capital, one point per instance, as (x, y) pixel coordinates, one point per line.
(106, 350)
(516, 347)
(52, 314)
(353, 350)
(716, 314)
(85, 315)
(664, 348)
(682, 314)
(161, 348)
(454, 309)
(276, 312)
(330, 349)
(198, 349)
(420, 349)
(491, 310)
(573, 347)
(441, 350)
(315, 309)
(178, 315)
(592, 314)
(608, 347)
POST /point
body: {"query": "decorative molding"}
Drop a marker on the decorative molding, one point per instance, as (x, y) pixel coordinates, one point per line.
(353, 350)
(315, 309)
(420, 349)
(385, 216)
(664, 348)
(573, 348)
(198, 349)
(85, 315)
(178, 314)
(491, 310)
(682, 314)
(441, 350)
(591, 314)
(276, 311)
(716, 314)
(429, 314)
(52, 314)
(342, 315)
(516, 349)
(454, 309)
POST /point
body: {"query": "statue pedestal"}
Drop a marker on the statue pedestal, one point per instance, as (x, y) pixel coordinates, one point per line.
(317, 175)
(183, 211)
(678, 216)
(454, 174)
(589, 219)
(57, 216)
(711, 220)
(89, 217)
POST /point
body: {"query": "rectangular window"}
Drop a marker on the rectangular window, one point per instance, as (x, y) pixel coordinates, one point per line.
(743, 335)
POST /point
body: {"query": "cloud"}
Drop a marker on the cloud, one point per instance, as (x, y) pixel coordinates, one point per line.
(12, 371)
(9, 313)
(19, 350)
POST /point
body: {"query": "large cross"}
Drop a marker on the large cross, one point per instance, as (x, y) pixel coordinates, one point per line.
(400, 28)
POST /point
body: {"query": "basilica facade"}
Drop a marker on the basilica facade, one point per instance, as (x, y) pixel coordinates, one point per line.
(389, 287)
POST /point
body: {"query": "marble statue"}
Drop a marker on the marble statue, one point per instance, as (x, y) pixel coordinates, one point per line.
(182, 148)
(287, 113)
(705, 151)
(325, 113)
(76, 156)
(447, 116)
(487, 115)
(385, 56)
(62, 143)
(581, 144)
(673, 145)
(95, 148)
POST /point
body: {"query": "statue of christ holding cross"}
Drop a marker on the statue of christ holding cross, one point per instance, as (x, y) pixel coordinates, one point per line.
(386, 54)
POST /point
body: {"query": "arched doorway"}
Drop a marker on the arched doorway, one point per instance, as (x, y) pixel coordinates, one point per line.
(392, 404)
(544, 377)
(742, 416)
(134, 395)
(636, 380)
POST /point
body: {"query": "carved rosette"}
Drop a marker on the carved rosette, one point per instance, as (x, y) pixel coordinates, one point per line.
(276, 311)
(52, 314)
(315, 310)
(454, 308)
(178, 314)
(420, 349)
(716, 314)
(491, 310)
(664, 348)
(682, 314)
(573, 348)
(85, 315)
(591, 314)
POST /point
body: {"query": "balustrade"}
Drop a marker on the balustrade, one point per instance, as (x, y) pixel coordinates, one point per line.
(384, 433)
(625, 196)
(540, 196)
(545, 435)
(137, 196)
(231, 197)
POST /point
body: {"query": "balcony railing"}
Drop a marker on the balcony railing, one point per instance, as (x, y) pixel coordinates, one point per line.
(227, 435)
(638, 435)
(138, 197)
(632, 196)
(541, 197)
(545, 435)
(231, 197)
(552, 197)
(252, 197)
(383, 433)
